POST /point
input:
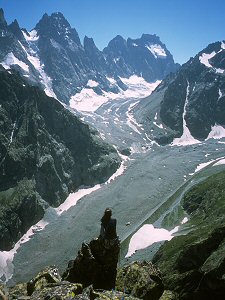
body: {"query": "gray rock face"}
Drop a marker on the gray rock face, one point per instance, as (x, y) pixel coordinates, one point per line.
(195, 94)
(147, 57)
(46, 152)
(53, 57)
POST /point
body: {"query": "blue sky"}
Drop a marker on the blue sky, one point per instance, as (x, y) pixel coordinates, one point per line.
(185, 26)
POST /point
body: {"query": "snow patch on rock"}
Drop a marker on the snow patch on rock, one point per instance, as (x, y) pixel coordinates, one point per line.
(186, 138)
(10, 60)
(217, 132)
(32, 56)
(31, 36)
(205, 57)
(92, 83)
(88, 100)
(156, 50)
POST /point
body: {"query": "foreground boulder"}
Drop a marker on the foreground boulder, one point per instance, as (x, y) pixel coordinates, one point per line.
(49, 286)
(47, 276)
(92, 275)
(95, 264)
(69, 291)
(59, 291)
(141, 280)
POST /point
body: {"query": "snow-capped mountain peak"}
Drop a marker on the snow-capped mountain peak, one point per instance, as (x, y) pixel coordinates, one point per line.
(211, 56)
(58, 28)
(52, 56)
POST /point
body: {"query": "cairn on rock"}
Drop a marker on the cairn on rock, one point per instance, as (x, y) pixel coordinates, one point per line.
(96, 264)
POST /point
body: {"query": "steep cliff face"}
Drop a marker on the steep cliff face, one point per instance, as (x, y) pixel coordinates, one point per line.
(189, 103)
(46, 152)
(193, 264)
(146, 56)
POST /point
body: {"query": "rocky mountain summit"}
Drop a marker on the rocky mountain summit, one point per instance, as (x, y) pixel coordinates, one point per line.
(46, 153)
(146, 57)
(53, 57)
(188, 105)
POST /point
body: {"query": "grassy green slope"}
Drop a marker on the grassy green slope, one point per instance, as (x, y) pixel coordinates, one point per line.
(194, 264)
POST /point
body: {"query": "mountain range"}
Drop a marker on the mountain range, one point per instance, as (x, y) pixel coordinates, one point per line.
(53, 57)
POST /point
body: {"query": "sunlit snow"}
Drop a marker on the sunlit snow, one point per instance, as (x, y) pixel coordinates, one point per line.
(205, 164)
(32, 56)
(10, 60)
(33, 36)
(131, 122)
(73, 198)
(156, 50)
(220, 162)
(220, 94)
(92, 83)
(88, 100)
(186, 138)
(111, 80)
(217, 132)
(147, 235)
(6, 257)
(205, 57)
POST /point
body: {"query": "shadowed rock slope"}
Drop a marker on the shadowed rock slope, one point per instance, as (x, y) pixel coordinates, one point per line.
(193, 97)
(45, 153)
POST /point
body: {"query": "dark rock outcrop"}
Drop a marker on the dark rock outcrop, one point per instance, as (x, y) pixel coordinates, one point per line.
(95, 264)
(93, 275)
(46, 153)
(140, 279)
(194, 94)
(48, 275)
(142, 282)
(62, 290)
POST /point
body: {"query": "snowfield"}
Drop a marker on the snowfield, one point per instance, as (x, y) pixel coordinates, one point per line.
(88, 101)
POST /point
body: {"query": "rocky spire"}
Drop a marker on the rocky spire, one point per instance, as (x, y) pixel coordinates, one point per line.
(2, 18)
(15, 29)
(96, 264)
